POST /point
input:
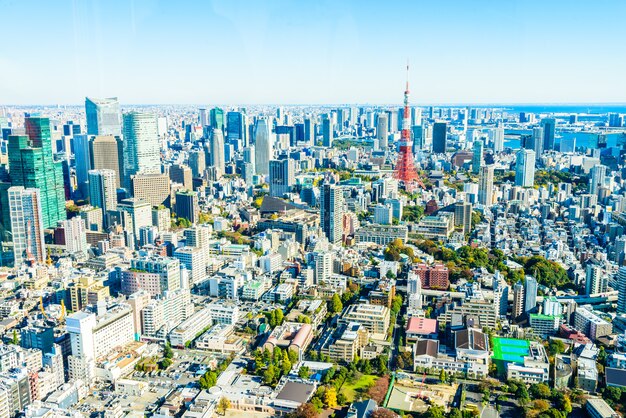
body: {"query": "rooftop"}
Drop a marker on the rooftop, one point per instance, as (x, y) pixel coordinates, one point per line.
(510, 349)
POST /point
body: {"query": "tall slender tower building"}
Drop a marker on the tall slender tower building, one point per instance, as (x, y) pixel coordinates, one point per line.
(262, 146)
(549, 133)
(621, 290)
(217, 152)
(382, 130)
(477, 159)
(485, 186)
(405, 166)
(331, 212)
(26, 225)
(102, 191)
(525, 168)
(82, 160)
(103, 116)
(142, 152)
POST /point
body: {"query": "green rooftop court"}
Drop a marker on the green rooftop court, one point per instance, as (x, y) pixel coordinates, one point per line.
(510, 350)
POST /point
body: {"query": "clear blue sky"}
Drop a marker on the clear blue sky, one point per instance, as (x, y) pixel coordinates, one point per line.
(305, 51)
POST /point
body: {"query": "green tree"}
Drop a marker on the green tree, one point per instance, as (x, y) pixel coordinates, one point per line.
(167, 351)
(14, 339)
(335, 304)
(279, 316)
(304, 372)
(269, 375)
(443, 377)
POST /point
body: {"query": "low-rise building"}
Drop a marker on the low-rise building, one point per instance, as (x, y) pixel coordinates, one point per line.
(345, 343)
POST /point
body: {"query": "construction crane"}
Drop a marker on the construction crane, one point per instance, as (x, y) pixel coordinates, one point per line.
(43, 311)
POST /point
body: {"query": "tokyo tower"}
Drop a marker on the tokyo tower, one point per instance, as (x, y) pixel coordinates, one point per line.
(405, 167)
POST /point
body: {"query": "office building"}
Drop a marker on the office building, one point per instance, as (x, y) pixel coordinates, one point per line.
(236, 127)
(153, 188)
(102, 191)
(139, 211)
(182, 174)
(477, 157)
(106, 153)
(32, 165)
(440, 137)
(525, 168)
(309, 131)
(141, 145)
(216, 118)
(597, 178)
(263, 147)
(187, 205)
(596, 280)
(26, 225)
(282, 176)
(217, 152)
(82, 161)
(374, 318)
(433, 277)
(331, 212)
(103, 116)
(197, 162)
(328, 130)
(537, 142)
(382, 130)
(549, 133)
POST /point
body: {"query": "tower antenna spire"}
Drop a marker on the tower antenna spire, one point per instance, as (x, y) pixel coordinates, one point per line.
(405, 166)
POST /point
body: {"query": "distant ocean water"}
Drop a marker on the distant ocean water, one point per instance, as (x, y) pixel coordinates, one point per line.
(583, 139)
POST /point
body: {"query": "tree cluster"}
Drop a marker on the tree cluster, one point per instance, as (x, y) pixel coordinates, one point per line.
(209, 378)
(272, 365)
(275, 317)
(395, 248)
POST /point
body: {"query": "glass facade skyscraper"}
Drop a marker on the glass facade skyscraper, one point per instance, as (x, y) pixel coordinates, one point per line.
(142, 153)
(26, 224)
(103, 116)
(32, 165)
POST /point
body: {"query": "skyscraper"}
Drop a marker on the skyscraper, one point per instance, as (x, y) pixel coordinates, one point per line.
(485, 186)
(537, 141)
(518, 300)
(596, 280)
(217, 152)
(262, 146)
(477, 159)
(530, 294)
(549, 133)
(197, 162)
(498, 138)
(597, 178)
(32, 165)
(327, 130)
(621, 290)
(236, 126)
(331, 212)
(26, 225)
(216, 117)
(107, 152)
(440, 137)
(382, 133)
(141, 145)
(82, 161)
(181, 174)
(103, 116)
(282, 176)
(102, 191)
(525, 168)
(187, 205)
(309, 131)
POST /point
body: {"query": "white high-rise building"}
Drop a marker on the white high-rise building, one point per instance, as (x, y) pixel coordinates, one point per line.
(538, 141)
(525, 168)
(217, 152)
(26, 225)
(262, 146)
(103, 191)
(596, 280)
(498, 138)
(323, 266)
(142, 153)
(598, 176)
(75, 235)
(331, 212)
(485, 186)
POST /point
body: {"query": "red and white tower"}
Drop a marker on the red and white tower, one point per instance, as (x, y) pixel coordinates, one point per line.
(405, 167)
